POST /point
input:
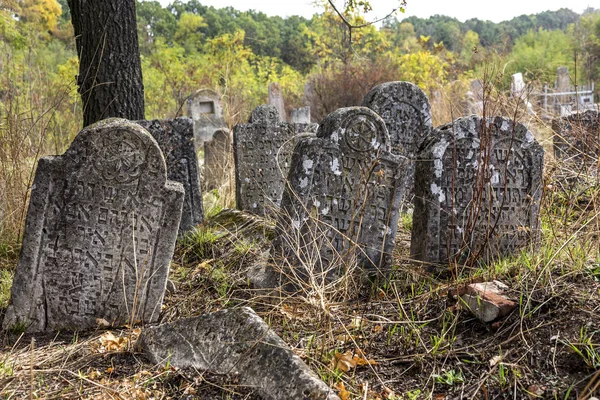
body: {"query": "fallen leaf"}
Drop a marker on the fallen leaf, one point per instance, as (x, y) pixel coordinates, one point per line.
(387, 393)
(348, 360)
(344, 394)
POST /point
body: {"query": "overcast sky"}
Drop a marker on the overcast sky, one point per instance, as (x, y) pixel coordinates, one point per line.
(493, 10)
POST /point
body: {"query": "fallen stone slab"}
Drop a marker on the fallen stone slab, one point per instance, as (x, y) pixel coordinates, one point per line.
(237, 342)
(487, 301)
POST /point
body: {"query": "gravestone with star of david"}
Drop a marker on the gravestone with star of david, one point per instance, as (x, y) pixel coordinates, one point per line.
(342, 204)
(100, 233)
(478, 185)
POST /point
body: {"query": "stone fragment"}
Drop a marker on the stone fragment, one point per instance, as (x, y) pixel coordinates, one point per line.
(100, 233)
(176, 140)
(218, 159)
(262, 152)
(205, 109)
(238, 342)
(341, 205)
(487, 300)
(577, 140)
(407, 115)
(276, 99)
(478, 185)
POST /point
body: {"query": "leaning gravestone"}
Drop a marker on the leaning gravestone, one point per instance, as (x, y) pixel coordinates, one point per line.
(205, 109)
(407, 114)
(100, 233)
(478, 185)
(262, 152)
(217, 159)
(176, 140)
(577, 140)
(343, 199)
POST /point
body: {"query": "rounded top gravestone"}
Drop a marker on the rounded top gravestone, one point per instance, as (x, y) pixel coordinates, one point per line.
(100, 233)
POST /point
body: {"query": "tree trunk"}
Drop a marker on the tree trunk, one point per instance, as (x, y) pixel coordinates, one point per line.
(110, 71)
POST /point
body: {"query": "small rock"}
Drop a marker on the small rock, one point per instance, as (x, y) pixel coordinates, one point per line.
(237, 342)
(487, 301)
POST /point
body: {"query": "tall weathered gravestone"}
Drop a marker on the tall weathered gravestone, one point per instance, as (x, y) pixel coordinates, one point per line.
(205, 109)
(218, 159)
(342, 203)
(577, 139)
(407, 114)
(276, 99)
(100, 233)
(478, 185)
(262, 152)
(176, 140)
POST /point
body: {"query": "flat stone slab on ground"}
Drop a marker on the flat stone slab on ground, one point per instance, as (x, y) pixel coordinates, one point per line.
(238, 342)
(100, 233)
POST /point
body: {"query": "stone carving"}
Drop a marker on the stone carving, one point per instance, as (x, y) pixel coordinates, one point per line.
(576, 139)
(262, 152)
(407, 114)
(236, 342)
(100, 233)
(276, 99)
(176, 140)
(218, 159)
(477, 191)
(343, 199)
(206, 110)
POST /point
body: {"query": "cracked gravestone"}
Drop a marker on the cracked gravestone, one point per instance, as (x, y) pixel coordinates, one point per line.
(576, 139)
(175, 138)
(100, 233)
(237, 342)
(407, 115)
(342, 204)
(262, 152)
(205, 109)
(217, 159)
(478, 185)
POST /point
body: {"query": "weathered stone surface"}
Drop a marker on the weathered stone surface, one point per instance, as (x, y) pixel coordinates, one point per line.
(237, 342)
(205, 109)
(100, 233)
(477, 191)
(300, 115)
(487, 301)
(577, 140)
(176, 140)
(218, 159)
(407, 115)
(276, 99)
(342, 202)
(262, 152)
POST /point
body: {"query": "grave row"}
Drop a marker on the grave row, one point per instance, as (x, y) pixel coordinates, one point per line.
(103, 218)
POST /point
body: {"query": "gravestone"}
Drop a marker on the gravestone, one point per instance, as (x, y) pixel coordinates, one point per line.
(300, 115)
(343, 199)
(176, 140)
(218, 159)
(478, 185)
(100, 233)
(205, 109)
(577, 139)
(262, 153)
(276, 99)
(407, 115)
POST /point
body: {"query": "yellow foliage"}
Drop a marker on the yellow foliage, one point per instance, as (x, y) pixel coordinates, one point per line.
(43, 14)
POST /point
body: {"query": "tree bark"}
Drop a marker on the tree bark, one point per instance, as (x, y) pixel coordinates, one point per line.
(110, 71)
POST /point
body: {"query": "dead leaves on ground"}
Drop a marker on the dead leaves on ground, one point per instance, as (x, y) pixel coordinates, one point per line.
(109, 342)
(350, 360)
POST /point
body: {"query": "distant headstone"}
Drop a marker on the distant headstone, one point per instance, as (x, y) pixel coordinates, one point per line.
(407, 115)
(100, 233)
(176, 140)
(563, 80)
(218, 159)
(300, 115)
(276, 99)
(342, 203)
(517, 86)
(478, 185)
(206, 110)
(262, 152)
(577, 138)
